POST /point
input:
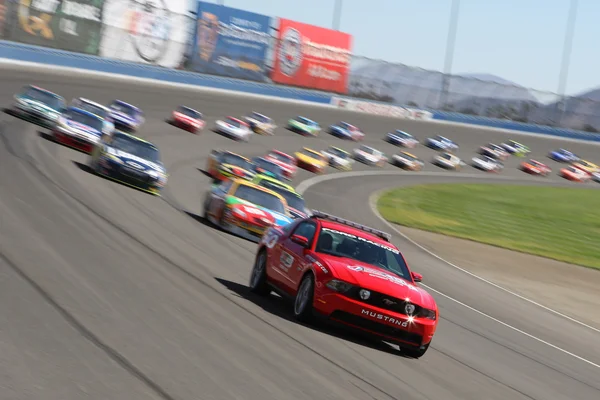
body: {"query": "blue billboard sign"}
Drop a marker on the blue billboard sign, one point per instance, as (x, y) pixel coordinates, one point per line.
(231, 42)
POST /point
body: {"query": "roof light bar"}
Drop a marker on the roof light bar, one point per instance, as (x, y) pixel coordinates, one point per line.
(383, 235)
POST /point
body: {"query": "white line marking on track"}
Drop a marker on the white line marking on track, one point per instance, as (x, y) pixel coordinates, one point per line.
(305, 185)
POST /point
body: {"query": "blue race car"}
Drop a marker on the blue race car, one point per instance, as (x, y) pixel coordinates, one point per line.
(401, 138)
(78, 129)
(344, 130)
(268, 168)
(130, 160)
(564, 156)
(126, 117)
(441, 143)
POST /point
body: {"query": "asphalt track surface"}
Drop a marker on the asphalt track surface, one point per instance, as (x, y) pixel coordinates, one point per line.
(110, 293)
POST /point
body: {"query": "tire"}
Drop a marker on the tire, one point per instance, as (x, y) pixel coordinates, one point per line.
(415, 353)
(303, 303)
(258, 276)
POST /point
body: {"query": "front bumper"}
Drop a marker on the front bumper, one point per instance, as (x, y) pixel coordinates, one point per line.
(130, 177)
(189, 126)
(384, 324)
(35, 117)
(244, 229)
(72, 141)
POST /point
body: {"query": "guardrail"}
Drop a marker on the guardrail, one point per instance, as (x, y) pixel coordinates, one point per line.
(23, 52)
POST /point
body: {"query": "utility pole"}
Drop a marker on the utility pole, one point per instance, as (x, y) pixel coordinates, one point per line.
(450, 43)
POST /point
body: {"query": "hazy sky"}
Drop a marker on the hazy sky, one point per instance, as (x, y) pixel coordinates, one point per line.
(519, 40)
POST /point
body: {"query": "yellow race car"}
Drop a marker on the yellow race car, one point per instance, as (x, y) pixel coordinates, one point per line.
(311, 160)
(586, 166)
(224, 164)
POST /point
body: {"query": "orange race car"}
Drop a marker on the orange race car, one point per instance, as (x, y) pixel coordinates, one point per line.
(534, 167)
(574, 174)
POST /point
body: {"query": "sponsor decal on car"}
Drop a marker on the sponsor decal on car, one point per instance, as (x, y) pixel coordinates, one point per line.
(384, 317)
(286, 260)
(375, 273)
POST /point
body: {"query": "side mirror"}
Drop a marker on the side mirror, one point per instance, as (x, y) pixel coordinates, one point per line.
(417, 277)
(301, 240)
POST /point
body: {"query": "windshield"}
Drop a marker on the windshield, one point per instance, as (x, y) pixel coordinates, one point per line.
(238, 161)
(446, 156)
(408, 156)
(233, 122)
(42, 96)
(441, 139)
(124, 108)
(94, 109)
(188, 112)
(342, 244)
(136, 147)
(85, 119)
(402, 134)
(267, 165)
(312, 154)
(294, 200)
(306, 121)
(281, 157)
(366, 149)
(337, 152)
(260, 198)
(260, 118)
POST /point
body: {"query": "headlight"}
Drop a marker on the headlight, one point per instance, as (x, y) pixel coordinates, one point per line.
(239, 213)
(426, 313)
(153, 173)
(339, 286)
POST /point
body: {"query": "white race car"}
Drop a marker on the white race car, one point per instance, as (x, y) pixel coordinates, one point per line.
(448, 161)
(96, 109)
(234, 128)
(338, 158)
(370, 156)
(401, 138)
(260, 123)
(487, 163)
(441, 143)
(494, 151)
(407, 161)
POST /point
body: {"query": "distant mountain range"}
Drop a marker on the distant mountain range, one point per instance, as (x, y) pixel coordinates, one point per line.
(476, 94)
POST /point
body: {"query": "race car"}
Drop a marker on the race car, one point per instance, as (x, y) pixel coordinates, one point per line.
(338, 158)
(295, 201)
(233, 128)
(97, 109)
(586, 166)
(37, 105)
(245, 209)
(564, 156)
(223, 164)
(260, 179)
(126, 117)
(574, 174)
(304, 126)
(441, 143)
(535, 168)
(78, 129)
(401, 138)
(267, 167)
(447, 161)
(370, 156)
(494, 151)
(487, 163)
(187, 118)
(349, 273)
(260, 124)
(344, 130)
(407, 161)
(285, 161)
(130, 160)
(311, 160)
(515, 148)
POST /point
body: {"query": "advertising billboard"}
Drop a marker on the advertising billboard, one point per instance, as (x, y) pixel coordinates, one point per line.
(311, 56)
(231, 42)
(146, 31)
(73, 25)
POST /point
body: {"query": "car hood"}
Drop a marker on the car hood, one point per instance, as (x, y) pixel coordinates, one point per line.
(282, 164)
(377, 279)
(234, 169)
(280, 219)
(135, 161)
(37, 104)
(308, 159)
(82, 128)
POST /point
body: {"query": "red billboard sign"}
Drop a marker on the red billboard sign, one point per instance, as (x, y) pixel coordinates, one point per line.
(311, 56)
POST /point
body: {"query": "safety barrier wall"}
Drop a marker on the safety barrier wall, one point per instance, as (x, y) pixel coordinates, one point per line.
(29, 53)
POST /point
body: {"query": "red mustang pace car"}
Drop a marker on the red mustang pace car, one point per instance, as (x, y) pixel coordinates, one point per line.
(350, 274)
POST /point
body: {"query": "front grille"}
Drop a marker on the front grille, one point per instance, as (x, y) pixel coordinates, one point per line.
(376, 327)
(135, 174)
(383, 301)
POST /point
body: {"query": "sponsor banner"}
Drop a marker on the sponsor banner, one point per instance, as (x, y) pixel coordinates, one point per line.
(146, 31)
(311, 56)
(72, 25)
(231, 42)
(386, 110)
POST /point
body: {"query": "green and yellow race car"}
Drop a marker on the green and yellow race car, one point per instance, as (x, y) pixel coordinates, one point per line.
(304, 126)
